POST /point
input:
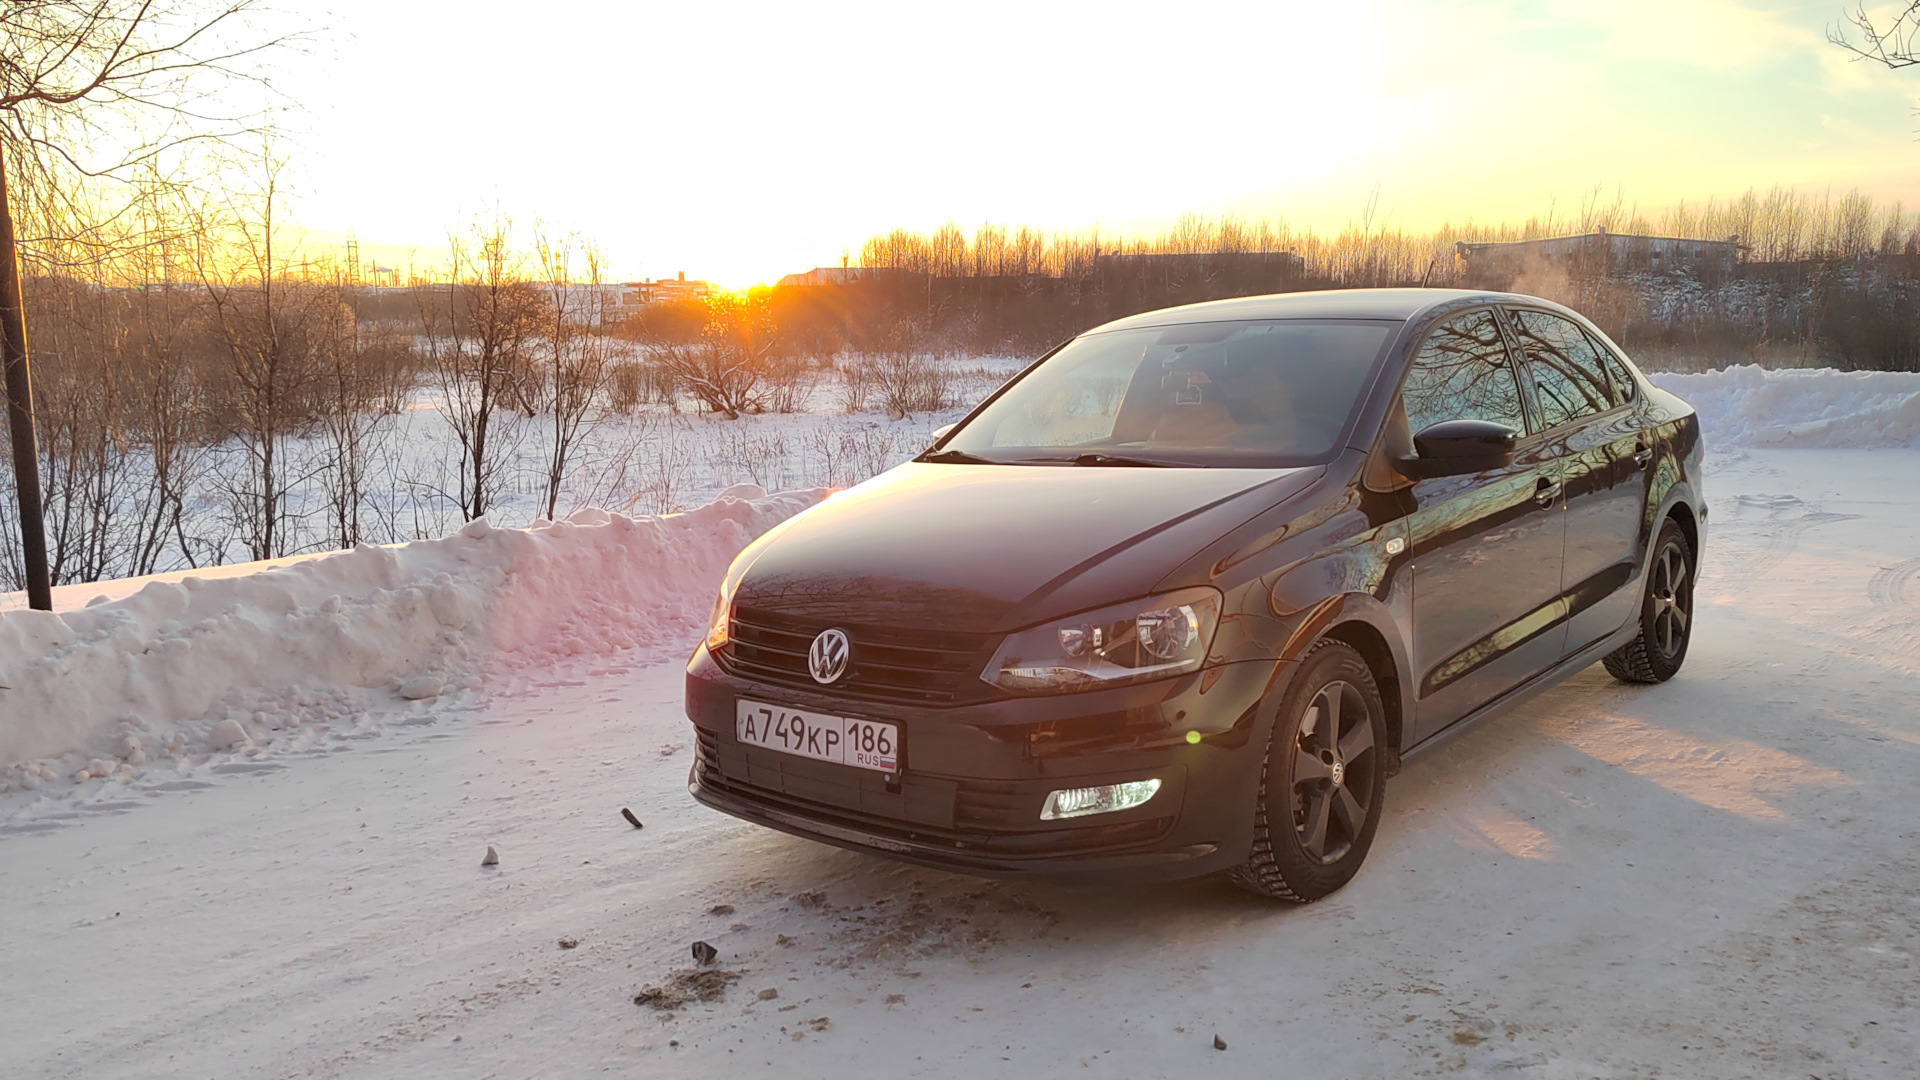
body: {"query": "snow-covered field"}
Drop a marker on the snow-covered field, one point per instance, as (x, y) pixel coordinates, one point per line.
(244, 819)
(652, 458)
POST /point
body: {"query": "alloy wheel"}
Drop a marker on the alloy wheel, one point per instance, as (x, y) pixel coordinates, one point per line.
(1672, 600)
(1334, 756)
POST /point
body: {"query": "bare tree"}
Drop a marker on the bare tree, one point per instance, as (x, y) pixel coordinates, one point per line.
(89, 88)
(479, 331)
(85, 451)
(355, 366)
(268, 320)
(576, 355)
(170, 404)
(730, 366)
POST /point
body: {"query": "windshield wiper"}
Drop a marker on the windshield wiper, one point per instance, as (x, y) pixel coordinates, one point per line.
(955, 457)
(1094, 460)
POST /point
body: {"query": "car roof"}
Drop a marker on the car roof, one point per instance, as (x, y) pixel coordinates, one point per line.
(1395, 304)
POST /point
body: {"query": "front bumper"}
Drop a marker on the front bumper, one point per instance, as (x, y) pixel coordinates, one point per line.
(973, 777)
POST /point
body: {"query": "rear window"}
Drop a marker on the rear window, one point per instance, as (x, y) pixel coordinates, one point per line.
(1274, 392)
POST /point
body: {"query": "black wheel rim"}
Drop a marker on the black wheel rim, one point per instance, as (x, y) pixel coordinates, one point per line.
(1333, 763)
(1671, 601)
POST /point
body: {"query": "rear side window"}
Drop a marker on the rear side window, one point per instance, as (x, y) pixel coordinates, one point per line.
(1623, 385)
(1463, 372)
(1569, 374)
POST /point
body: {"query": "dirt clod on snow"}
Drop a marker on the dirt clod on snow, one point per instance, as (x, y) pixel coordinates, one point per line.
(685, 986)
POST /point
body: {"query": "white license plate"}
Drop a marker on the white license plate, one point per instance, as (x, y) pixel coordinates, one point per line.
(845, 740)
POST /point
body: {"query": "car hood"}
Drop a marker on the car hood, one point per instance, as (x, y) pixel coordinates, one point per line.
(989, 548)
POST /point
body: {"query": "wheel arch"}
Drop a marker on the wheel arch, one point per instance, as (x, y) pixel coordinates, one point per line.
(1363, 623)
(1681, 503)
(1371, 644)
(1682, 514)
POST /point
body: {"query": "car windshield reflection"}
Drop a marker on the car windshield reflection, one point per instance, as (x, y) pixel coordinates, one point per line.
(1251, 393)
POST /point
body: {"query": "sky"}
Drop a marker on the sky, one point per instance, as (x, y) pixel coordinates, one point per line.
(738, 142)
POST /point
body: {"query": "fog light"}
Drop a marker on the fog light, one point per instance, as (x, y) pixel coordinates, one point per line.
(1079, 802)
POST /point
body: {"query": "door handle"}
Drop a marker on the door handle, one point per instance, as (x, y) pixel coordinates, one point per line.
(1545, 490)
(1641, 455)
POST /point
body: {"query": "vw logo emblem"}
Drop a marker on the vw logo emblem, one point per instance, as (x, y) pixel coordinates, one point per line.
(827, 659)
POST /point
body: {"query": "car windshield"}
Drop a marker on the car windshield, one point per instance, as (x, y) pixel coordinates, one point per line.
(1250, 394)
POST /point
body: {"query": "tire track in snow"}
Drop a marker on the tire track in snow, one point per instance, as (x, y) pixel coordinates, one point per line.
(1893, 637)
(1889, 587)
(1778, 546)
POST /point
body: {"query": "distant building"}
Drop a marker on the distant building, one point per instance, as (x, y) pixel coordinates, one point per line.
(597, 304)
(827, 275)
(1599, 253)
(670, 290)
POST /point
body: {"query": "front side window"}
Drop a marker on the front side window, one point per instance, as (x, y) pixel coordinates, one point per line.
(1568, 373)
(1250, 393)
(1462, 372)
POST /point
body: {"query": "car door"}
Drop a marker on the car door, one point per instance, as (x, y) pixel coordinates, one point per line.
(1603, 457)
(1486, 548)
(1634, 451)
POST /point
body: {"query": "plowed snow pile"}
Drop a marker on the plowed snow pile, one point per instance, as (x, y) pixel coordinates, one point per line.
(1751, 406)
(279, 658)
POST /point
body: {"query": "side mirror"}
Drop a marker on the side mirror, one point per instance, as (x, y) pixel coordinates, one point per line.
(1459, 448)
(942, 432)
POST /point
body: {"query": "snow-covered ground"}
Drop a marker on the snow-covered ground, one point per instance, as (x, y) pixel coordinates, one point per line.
(1718, 877)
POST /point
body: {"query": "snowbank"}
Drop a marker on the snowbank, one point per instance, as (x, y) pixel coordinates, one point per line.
(1752, 406)
(182, 669)
(295, 656)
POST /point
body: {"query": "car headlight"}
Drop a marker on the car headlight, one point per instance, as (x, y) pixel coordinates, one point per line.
(720, 623)
(1145, 639)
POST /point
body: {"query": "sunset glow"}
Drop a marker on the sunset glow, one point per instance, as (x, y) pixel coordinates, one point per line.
(743, 143)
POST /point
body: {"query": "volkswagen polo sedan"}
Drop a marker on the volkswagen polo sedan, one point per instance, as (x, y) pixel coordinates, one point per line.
(1183, 594)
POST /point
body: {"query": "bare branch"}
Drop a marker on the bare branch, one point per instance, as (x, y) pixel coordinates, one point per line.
(1896, 46)
(94, 93)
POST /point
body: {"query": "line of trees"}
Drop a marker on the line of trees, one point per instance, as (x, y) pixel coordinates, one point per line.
(196, 386)
(1822, 277)
(1779, 225)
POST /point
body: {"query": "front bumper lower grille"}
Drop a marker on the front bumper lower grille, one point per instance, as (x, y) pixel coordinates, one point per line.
(980, 816)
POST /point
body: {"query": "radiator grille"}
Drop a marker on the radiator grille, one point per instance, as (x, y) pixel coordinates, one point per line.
(919, 667)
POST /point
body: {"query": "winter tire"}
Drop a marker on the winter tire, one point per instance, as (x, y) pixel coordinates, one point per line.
(1323, 780)
(1666, 614)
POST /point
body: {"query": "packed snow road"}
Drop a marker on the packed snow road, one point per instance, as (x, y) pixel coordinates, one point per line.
(1718, 877)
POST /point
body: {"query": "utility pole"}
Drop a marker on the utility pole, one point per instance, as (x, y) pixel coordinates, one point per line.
(26, 456)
